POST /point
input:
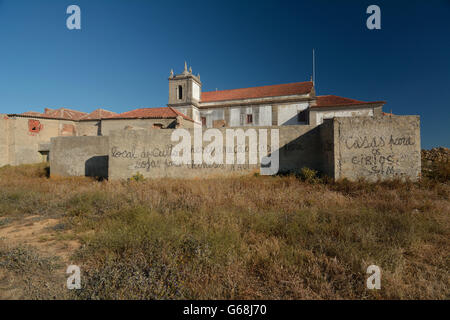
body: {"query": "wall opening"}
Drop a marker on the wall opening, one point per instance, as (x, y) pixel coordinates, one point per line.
(34, 126)
(302, 116)
(180, 92)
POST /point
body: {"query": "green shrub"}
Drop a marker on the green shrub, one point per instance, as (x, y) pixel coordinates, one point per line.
(439, 171)
(138, 177)
(309, 175)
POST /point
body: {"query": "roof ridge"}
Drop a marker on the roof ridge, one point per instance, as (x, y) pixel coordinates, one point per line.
(264, 86)
(102, 110)
(67, 109)
(179, 113)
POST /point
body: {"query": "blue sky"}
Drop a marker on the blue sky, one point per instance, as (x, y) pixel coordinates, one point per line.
(122, 56)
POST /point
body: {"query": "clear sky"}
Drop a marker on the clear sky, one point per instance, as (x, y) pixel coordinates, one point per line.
(122, 56)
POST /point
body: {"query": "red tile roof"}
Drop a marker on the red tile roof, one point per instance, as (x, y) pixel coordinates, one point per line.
(287, 89)
(151, 113)
(64, 113)
(98, 114)
(32, 113)
(336, 101)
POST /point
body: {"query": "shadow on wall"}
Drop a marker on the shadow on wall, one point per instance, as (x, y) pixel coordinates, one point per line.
(308, 150)
(304, 151)
(97, 167)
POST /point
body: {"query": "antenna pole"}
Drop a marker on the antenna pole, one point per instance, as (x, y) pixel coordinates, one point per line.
(314, 66)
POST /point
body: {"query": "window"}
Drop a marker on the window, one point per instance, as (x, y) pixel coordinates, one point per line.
(302, 116)
(158, 126)
(203, 121)
(180, 92)
(34, 126)
(249, 118)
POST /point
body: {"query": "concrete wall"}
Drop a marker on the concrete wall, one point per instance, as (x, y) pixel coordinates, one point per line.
(4, 144)
(109, 125)
(25, 135)
(149, 153)
(350, 112)
(288, 113)
(327, 134)
(89, 128)
(377, 148)
(79, 156)
(368, 147)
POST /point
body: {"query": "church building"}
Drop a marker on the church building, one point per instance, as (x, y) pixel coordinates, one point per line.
(25, 138)
(273, 105)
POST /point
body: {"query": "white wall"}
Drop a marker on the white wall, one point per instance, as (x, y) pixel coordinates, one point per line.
(343, 113)
(288, 114)
(195, 114)
(265, 116)
(195, 91)
(262, 116)
(235, 117)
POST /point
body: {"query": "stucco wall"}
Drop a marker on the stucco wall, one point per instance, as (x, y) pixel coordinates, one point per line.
(24, 142)
(368, 147)
(377, 148)
(288, 113)
(79, 156)
(4, 133)
(236, 116)
(89, 128)
(109, 125)
(149, 153)
(327, 134)
(348, 112)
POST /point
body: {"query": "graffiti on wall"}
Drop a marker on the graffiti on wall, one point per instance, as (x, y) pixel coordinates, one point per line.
(146, 159)
(379, 155)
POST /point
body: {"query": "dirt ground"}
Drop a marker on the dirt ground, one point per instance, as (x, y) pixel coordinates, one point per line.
(43, 237)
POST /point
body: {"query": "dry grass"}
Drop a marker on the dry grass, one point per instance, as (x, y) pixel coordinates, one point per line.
(242, 238)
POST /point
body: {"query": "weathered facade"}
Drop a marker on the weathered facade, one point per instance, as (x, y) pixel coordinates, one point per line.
(275, 105)
(360, 147)
(341, 137)
(25, 138)
(375, 148)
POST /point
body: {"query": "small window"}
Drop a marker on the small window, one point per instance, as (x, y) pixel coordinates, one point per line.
(158, 126)
(302, 116)
(249, 118)
(180, 92)
(203, 121)
(34, 126)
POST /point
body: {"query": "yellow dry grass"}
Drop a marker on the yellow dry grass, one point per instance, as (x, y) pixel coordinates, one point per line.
(235, 238)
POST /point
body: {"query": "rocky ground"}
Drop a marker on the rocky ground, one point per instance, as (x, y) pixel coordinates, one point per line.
(440, 154)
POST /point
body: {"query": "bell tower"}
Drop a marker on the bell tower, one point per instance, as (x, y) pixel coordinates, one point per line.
(184, 93)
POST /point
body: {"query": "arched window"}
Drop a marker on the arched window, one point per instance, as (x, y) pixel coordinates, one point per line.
(180, 92)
